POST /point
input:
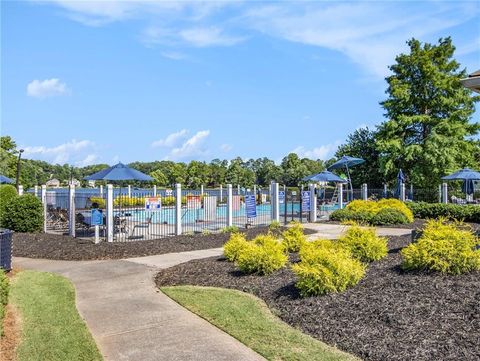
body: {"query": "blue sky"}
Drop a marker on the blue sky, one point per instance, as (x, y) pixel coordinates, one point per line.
(101, 81)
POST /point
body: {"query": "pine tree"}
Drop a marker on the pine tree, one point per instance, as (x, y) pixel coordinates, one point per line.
(428, 131)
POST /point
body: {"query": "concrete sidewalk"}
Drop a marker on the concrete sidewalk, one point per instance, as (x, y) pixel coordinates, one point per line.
(130, 319)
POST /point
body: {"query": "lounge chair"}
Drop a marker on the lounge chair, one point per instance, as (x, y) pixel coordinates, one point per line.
(143, 225)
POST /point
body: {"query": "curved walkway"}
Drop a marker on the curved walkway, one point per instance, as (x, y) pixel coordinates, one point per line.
(130, 319)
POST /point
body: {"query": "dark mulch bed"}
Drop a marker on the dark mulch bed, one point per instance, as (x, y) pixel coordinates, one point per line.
(389, 315)
(61, 247)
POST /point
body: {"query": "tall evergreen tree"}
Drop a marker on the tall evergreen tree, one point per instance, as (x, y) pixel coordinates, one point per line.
(428, 131)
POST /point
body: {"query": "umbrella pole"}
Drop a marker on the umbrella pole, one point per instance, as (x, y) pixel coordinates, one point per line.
(350, 182)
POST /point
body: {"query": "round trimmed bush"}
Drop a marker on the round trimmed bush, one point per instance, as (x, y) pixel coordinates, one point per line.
(24, 214)
(347, 215)
(443, 248)
(324, 268)
(293, 237)
(263, 255)
(364, 244)
(232, 249)
(389, 216)
(7, 193)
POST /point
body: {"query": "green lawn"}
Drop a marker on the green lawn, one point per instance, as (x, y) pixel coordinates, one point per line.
(51, 326)
(249, 320)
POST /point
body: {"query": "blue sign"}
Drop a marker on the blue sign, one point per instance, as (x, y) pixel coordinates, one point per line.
(251, 206)
(305, 201)
(281, 197)
(96, 217)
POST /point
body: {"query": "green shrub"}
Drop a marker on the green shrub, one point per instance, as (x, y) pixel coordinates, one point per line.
(275, 228)
(465, 212)
(24, 214)
(364, 244)
(7, 193)
(443, 247)
(345, 215)
(388, 216)
(4, 288)
(232, 249)
(325, 267)
(293, 237)
(263, 255)
(230, 229)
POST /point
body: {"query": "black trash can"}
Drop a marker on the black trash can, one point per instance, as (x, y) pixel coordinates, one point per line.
(6, 249)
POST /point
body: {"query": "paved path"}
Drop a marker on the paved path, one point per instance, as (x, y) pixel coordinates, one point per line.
(131, 320)
(334, 231)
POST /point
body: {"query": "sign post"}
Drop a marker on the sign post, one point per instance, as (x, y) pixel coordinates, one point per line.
(96, 219)
(153, 203)
(250, 206)
(305, 202)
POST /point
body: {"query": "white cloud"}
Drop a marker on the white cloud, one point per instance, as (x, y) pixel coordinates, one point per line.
(173, 55)
(192, 147)
(46, 88)
(88, 160)
(323, 152)
(171, 140)
(226, 148)
(70, 152)
(199, 37)
(211, 36)
(369, 33)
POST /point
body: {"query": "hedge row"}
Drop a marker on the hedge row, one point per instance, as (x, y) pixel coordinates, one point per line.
(466, 213)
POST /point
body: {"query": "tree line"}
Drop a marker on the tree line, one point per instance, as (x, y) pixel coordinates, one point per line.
(427, 133)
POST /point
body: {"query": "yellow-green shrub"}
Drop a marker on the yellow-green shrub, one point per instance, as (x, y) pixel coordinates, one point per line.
(368, 210)
(234, 246)
(326, 267)
(275, 228)
(98, 200)
(364, 244)
(263, 255)
(293, 238)
(444, 248)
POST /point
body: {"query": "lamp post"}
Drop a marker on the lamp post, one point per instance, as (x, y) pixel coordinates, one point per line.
(18, 168)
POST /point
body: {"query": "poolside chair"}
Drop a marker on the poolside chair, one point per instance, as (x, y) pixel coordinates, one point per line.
(143, 225)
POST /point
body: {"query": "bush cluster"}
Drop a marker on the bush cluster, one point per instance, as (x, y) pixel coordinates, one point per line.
(7, 193)
(23, 214)
(4, 288)
(293, 238)
(263, 255)
(326, 267)
(443, 247)
(275, 228)
(364, 244)
(382, 212)
(466, 213)
(234, 246)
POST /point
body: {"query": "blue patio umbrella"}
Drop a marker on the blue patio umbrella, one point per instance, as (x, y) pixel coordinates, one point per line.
(119, 172)
(325, 176)
(468, 176)
(468, 187)
(463, 174)
(347, 162)
(4, 179)
(400, 181)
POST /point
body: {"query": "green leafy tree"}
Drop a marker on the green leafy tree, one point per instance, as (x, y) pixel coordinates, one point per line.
(428, 131)
(293, 170)
(160, 178)
(362, 144)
